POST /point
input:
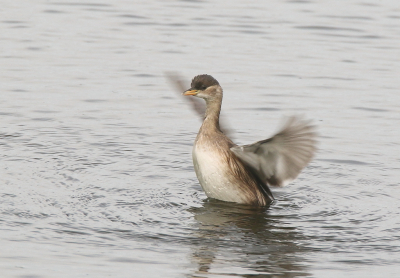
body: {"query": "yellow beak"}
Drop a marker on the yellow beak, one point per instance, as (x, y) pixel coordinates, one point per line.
(190, 93)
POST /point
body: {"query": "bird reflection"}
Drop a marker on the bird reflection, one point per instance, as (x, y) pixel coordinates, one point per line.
(232, 239)
(247, 241)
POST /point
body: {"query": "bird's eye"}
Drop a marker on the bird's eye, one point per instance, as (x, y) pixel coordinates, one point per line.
(203, 88)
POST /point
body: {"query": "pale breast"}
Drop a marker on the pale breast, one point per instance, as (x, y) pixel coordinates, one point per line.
(214, 175)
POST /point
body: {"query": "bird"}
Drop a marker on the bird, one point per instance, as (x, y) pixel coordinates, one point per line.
(243, 174)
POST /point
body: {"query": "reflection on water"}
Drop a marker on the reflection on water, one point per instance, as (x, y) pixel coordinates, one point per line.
(242, 240)
(96, 172)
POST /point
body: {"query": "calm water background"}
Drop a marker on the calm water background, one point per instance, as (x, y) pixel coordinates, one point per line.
(96, 171)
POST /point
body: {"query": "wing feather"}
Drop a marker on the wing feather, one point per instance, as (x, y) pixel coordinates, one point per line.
(279, 159)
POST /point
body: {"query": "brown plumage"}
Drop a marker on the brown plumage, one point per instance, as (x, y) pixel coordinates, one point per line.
(241, 173)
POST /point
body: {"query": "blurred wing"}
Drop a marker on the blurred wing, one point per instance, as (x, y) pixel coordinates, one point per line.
(279, 159)
(198, 105)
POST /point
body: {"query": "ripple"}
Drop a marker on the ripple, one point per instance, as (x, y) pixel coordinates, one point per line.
(329, 28)
(341, 161)
(96, 148)
(371, 109)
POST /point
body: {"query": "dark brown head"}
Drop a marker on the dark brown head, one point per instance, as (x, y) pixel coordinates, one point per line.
(204, 86)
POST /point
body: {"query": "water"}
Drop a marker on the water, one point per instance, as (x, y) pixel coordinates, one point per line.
(96, 171)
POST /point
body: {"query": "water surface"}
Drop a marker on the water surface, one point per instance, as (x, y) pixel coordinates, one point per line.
(96, 171)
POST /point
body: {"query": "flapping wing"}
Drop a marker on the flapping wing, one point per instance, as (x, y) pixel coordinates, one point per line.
(198, 105)
(279, 159)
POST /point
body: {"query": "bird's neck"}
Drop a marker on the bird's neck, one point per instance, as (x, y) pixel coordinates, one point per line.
(211, 117)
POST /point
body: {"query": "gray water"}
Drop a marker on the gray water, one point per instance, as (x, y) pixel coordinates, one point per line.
(96, 171)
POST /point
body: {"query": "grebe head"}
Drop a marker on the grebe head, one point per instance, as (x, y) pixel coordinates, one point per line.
(204, 86)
